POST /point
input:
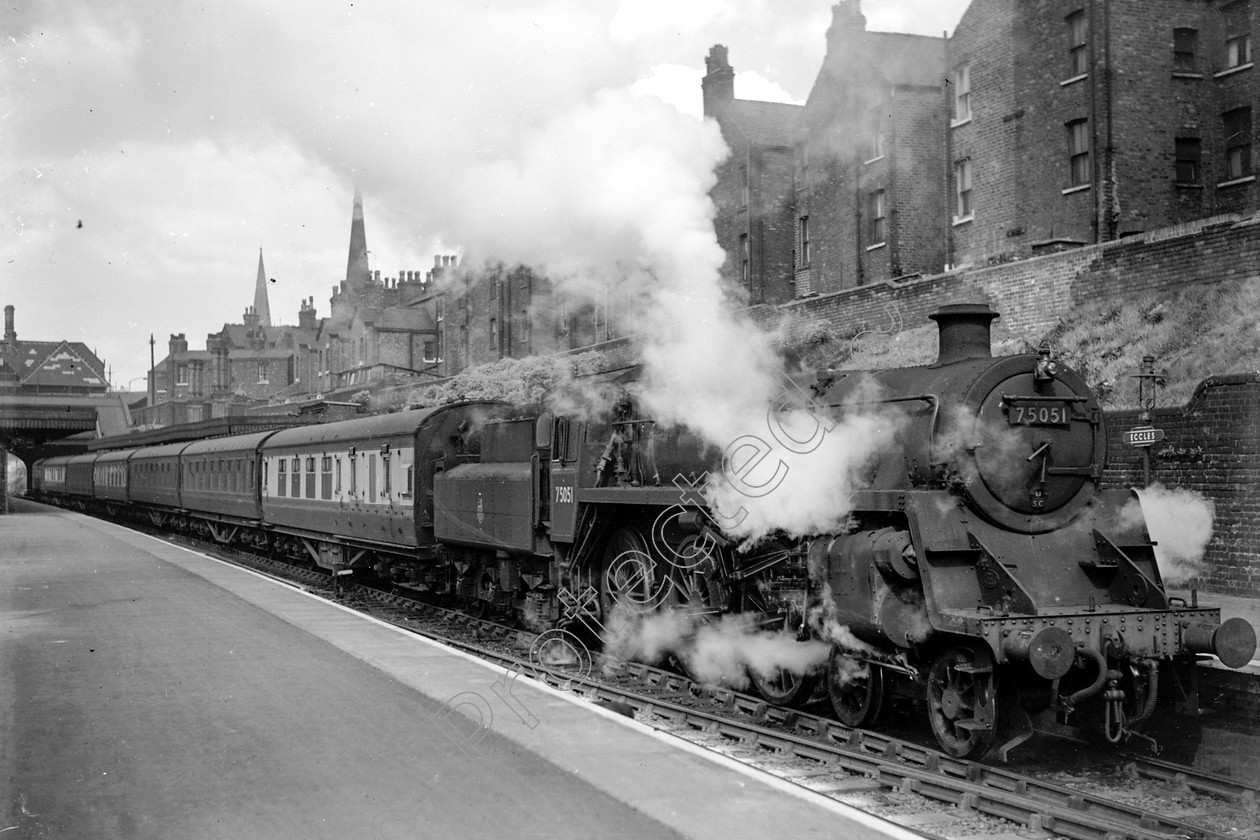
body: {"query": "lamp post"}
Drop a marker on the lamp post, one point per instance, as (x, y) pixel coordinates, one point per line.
(1148, 381)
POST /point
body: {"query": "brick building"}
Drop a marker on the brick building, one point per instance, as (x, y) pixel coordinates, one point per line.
(31, 368)
(1082, 121)
(241, 364)
(380, 329)
(754, 195)
(1036, 126)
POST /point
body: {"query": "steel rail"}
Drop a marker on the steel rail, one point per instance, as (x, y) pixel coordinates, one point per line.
(1027, 802)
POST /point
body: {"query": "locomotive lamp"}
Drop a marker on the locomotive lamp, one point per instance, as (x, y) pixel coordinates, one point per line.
(1047, 369)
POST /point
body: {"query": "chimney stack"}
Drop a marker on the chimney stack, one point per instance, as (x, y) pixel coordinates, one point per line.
(718, 85)
(10, 335)
(306, 315)
(964, 332)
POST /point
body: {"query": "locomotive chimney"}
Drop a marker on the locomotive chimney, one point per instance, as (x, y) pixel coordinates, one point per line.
(964, 331)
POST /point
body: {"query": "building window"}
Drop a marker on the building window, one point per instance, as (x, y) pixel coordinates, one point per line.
(1237, 17)
(962, 93)
(494, 333)
(262, 373)
(962, 189)
(1078, 44)
(181, 375)
(744, 275)
(1237, 143)
(804, 260)
(1185, 45)
(562, 317)
(522, 327)
(878, 137)
(1078, 150)
(1189, 156)
(877, 215)
(439, 308)
(430, 350)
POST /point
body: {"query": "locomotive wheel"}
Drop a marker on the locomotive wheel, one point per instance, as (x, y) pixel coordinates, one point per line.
(962, 702)
(856, 689)
(785, 688)
(631, 578)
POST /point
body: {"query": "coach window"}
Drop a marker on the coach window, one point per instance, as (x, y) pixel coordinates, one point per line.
(386, 463)
(409, 477)
(354, 474)
(281, 478)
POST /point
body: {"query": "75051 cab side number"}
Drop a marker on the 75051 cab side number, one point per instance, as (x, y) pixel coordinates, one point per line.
(564, 494)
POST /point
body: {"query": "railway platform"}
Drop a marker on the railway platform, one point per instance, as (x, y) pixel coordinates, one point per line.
(149, 691)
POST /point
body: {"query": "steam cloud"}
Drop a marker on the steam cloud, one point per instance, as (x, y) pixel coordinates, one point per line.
(1180, 522)
(715, 653)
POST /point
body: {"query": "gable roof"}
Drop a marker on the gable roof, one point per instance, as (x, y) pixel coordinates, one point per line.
(57, 363)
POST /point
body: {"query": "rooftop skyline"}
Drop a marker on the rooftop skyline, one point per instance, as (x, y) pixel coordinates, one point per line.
(152, 149)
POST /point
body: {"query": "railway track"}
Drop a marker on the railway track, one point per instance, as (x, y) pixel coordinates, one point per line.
(905, 781)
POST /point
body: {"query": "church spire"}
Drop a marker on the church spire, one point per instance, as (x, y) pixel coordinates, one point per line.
(357, 273)
(261, 307)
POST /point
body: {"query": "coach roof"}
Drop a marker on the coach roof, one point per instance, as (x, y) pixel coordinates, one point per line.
(233, 443)
(368, 428)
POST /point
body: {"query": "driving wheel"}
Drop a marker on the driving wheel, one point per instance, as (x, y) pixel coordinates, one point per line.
(962, 701)
(856, 689)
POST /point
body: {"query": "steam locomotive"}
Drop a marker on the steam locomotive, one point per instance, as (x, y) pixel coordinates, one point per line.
(981, 570)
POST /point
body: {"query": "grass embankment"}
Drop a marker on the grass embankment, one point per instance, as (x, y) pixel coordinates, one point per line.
(1194, 333)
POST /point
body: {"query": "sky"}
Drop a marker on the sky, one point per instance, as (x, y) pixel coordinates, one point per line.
(149, 149)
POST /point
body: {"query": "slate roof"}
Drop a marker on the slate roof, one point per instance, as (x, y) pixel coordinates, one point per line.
(56, 363)
(409, 320)
(763, 123)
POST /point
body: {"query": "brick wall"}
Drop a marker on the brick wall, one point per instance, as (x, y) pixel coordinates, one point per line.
(1211, 445)
(1033, 294)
